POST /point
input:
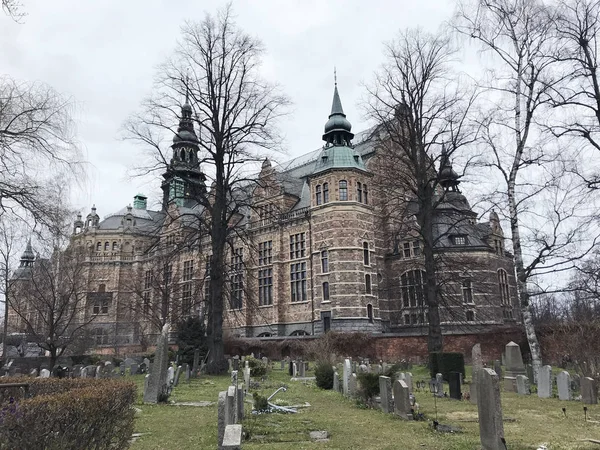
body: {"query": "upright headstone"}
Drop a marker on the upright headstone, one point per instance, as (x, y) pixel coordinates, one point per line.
(221, 416)
(146, 380)
(491, 428)
(170, 375)
(34, 373)
(454, 385)
(301, 369)
(133, 369)
(523, 385)
(99, 370)
(529, 372)
(247, 377)
(230, 405)
(385, 393)
(514, 366)
(352, 383)
(477, 362)
(158, 376)
(346, 376)
(409, 382)
(439, 382)
(589, 391)
(44, 373)
(402, 399)
(563, 383)
(177, 375)
(294, 369)
(283, 364)
(545, 382)
(336, 381)
(240, 403)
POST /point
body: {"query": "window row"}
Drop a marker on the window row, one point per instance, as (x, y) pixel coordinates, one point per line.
(322, 192)
(107, 247)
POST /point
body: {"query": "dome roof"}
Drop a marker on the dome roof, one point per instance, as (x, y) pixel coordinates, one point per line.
(339, 157)
(185, 136)
(338, 122)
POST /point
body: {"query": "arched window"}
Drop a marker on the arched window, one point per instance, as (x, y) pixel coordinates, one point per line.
(318, 194)
(503, 287)
(366, 256)
(324, 261)
(325, 192)
(299, 333)
(367, 284)
(99, 246)
(326, 291)
(265, 334)
(182, 154)
(359, 192)
(366, 194)
(343, 190)
(106, 246)
(413, 288)
(370, 312)
(115, 245)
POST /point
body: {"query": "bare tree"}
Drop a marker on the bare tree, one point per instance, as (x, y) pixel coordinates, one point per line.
(544, 205)
(421, 112)
(216, 65)
(13, 9)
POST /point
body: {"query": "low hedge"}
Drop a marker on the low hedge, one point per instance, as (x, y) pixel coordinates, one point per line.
(69, 414)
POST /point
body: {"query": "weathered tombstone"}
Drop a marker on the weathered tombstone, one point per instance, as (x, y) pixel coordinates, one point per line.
(76, 373)
(498, 368)
(187, 371)
(385, 393)
(247, 377)
(294, 369)
(491, 428)
(545, 382)
(346, 376)
(230, 405)
(529, 372)
(232, 438)
(523, 385)
(477, 362)
(301, 369)
(240, 403)
(363, 368)
(99, 370)
(265, 361)
(589, 391)
(221, 416)
(352, 383)
(158, 376)
(170, 375)
(563, 383)
(454, 385)
(336, 382)
(177, 375)
(283, 364)
(44, 373)
(146, 381)
(33, 373)
(133, 369)
(402, 399)
(439, 381)
(514, 366)
(409, 382)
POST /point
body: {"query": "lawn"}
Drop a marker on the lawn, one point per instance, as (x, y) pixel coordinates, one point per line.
(529, 421)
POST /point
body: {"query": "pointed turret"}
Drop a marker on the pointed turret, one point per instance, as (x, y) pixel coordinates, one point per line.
(26, 264)
(449, 179)
(78, 224)
(93, 219)
(338, 128)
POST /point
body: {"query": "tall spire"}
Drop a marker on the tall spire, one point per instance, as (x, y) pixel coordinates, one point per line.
(448, 177)
(338, 128)
(185, 130)
(28, 256)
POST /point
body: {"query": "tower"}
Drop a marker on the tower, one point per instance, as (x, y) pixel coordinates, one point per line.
(183, 179)
(26, 264)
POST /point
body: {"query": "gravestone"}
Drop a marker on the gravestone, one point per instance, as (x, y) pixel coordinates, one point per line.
(221, 416)
(352, 384)
(409, 382)
(363, 368)
(146, 363)
(146, 380)
(563, 384)
(439, 383)
(514, 366)
(301, 369)
(33, 373)
(385, 393)
(294, 369)
(133, 369)
(76, 373)
(336, 382)
(529, 372)
(283, 364)
(523, 385)
(170, 376)
(247, 377)
(232, 437)
(187, 371)
(489, 409)
(545, 382)
(122, 368)
(44, 373)
(230, 405)
(346, 376)
(402, 399)
(158, 376)
(240, 403)
(98, 372)
(589, 391)
(477, 362)
(177, 375)
(454, 385)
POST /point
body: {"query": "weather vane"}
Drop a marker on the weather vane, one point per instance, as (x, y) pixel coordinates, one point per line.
(334, 76)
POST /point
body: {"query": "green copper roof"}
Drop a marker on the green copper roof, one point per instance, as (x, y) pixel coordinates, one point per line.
(339, 157)
(336, 106)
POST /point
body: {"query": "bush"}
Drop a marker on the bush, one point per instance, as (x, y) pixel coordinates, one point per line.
(69, 414)
(368, 386)
(324, 375)
(257, 368)
(444, 363)
(260, 402)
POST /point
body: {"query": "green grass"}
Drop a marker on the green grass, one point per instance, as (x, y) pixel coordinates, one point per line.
(537, 421)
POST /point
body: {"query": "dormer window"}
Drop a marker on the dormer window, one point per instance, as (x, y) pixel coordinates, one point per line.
(324, 159)
(459, 240)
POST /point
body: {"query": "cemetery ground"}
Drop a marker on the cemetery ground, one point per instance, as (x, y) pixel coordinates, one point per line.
(528, 420)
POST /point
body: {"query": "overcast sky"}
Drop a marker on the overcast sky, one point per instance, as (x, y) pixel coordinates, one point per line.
(103, 54)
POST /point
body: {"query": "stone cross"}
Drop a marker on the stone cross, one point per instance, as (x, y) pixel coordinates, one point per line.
(563, 383)
(158, 376)
(491, 428)
(402, 399)
(385, 393)
(545, 382)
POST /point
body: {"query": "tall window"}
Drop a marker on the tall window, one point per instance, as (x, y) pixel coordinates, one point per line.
(324, 261)
(298, 281)
(503, 286)
(265, 253)
(467, 291)
(416, 248)
(343, 190)
(186, 299)
(148, 279)
(188, 270)
(326, 291)
(413, 288)
(367, 284)
(265, 286)
(318, 194)
(106, 246)
(370, 312)
(99, 246)
(237, 279)
(114, 247)
(366, 194)
(366, 255)
(325, 192)
(359, 192)
(297, 245)
(406, 247)
(146, 303)
(100, 336)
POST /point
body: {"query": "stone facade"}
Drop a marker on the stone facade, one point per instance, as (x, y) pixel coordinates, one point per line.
(318, 254)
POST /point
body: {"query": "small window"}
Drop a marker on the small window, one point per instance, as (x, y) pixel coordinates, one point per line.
(318, 194)
(359, 192)
(343, 190)
(324, 261)
(102, 287)
(470, 315)
(366, 255)
(325, 291)
(129, 222)
(365, 194)
(99, 246)
(407, 249)
(459, 240)
(406, 319)
(467, 291)
(416, 248)
(367, 284)
(370, 312)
